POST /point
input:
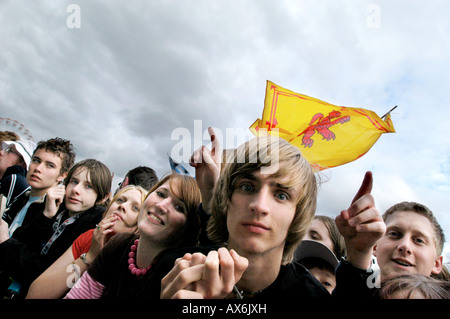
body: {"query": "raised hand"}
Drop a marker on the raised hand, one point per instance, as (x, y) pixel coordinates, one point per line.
(361, 225)
(102, 233)
(207, 164)
(55, 197)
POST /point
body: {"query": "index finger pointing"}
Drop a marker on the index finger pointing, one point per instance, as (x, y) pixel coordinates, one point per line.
(365, 188)
(215, 145)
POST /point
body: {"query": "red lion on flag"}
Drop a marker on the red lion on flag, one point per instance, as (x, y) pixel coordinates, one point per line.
(322, 127)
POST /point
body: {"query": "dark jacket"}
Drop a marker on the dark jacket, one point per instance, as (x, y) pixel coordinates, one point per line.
(293, 284)
(14, 186)
(20, 256)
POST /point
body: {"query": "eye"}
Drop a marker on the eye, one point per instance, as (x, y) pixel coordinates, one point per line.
(180, 208)
(314, 235)
(136, 208)
(327, 284)
(160, 194)
(247, 187)
(120, 200)
(419, 241)
(393, 234)
(282, 196)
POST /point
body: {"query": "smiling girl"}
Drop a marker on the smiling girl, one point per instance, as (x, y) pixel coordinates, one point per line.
(123, 269)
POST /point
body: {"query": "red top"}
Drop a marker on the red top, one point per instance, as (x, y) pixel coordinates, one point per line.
(82, 244)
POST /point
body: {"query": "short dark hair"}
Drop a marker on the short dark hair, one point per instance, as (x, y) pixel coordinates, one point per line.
(61, 147)
(142, 176)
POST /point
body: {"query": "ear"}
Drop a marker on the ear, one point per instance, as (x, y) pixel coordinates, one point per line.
(61, 177)
(125, 182)
(437, 265)
(104, 199)
(374, 252)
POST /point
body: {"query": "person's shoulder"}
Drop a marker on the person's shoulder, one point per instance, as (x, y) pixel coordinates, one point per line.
(86, 236)
(295, 280)
(98, 210)
(121, 239)
(92, 215)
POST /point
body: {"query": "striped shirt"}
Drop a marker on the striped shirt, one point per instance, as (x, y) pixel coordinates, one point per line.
(86, 288)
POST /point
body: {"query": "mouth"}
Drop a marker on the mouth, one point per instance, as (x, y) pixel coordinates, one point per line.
(73, 200)
(255, 227)
(402, 262)
(118, 216)
(155, 219)
(35, 178)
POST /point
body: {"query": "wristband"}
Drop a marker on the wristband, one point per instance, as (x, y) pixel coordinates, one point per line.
(83, 258)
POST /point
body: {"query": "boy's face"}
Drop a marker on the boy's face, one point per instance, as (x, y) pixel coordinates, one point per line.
(325, 277)
(80, 195)
(45, 170)
(260, 213)
(408, 246)
(8, 157)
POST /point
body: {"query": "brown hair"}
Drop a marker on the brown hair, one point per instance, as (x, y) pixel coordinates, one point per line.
(429, 287)
(99, 174)
(266, 152)
(63, 148)
(336, 238)
(188, 192)
(8, 136)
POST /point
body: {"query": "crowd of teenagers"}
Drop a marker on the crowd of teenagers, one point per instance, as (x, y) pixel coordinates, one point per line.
(244, 227)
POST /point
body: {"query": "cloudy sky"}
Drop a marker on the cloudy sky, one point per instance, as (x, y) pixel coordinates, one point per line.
(127, 81)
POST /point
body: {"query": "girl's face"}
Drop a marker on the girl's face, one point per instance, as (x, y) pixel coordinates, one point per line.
(80, 195)
(126, 208)
(162, 215)
(319, 232)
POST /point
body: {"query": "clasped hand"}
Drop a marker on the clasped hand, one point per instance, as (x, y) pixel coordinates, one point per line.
(196, 276)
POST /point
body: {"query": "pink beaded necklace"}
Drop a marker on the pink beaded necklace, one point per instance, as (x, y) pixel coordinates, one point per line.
(132, 261)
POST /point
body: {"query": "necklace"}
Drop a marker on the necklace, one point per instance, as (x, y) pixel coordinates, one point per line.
(132, 261)
(240, 293)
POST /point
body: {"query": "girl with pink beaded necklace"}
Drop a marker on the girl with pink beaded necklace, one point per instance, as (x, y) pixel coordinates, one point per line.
(168, 218)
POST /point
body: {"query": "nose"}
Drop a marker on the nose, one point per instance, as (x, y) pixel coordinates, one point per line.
(76, 189)
(38, 168)
(121, 206)
(404, 246)
(163, 205)
(259, 203)
(125, 207)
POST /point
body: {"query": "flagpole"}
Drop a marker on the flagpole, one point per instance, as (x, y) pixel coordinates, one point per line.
(388, 112)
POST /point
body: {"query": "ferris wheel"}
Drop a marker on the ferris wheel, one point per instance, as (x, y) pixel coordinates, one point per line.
(10, 125)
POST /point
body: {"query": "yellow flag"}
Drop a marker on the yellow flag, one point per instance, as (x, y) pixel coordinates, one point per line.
(327, 135)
